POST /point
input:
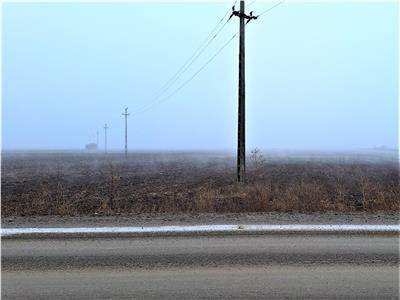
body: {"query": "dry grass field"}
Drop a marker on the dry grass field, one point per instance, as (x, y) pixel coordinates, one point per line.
(69, 183)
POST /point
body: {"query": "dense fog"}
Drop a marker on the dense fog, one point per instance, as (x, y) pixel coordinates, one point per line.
(326, 80)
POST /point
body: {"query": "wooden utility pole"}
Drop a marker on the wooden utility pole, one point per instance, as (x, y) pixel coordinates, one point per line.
(105, 138)
(241, 150)
(126, 131)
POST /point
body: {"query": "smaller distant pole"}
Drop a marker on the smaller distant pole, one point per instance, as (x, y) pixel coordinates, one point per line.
(97, 140)
(105, 138)
(126, 131)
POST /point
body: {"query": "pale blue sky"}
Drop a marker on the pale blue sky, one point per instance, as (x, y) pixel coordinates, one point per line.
(319, 76)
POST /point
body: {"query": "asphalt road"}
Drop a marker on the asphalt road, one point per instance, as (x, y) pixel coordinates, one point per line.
(265, 266)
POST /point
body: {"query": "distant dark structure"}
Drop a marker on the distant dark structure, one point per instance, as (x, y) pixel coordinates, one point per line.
(91, 147)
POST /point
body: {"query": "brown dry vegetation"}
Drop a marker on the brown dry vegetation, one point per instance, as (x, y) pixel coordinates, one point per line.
(88, 184)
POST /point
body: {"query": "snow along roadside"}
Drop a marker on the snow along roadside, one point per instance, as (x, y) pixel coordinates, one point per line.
(198, 229)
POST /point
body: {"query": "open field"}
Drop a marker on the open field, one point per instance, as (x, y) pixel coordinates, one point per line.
(72, 183)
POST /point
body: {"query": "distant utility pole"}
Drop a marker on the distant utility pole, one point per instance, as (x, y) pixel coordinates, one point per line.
(105, 138)
(126, 131)
(241, 150)
(97, 139)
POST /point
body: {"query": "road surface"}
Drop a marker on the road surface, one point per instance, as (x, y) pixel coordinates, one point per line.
(317, 266)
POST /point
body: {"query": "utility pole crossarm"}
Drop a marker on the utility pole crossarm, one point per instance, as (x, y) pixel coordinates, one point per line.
(241, 14)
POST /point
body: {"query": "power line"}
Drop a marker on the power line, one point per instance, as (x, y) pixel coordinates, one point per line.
(250, 4)
(272, 7)
(204, 45)
(194, 58)
(191, 78)
(195, 55)
(156, 101)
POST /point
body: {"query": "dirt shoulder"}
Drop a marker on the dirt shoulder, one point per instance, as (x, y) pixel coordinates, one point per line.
(197, 219)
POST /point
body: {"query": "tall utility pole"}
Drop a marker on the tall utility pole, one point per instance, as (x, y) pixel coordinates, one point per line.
(105, 138)
(241, 150)
(126, 131)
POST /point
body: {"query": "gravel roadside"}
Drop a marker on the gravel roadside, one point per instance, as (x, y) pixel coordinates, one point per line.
(198, 219)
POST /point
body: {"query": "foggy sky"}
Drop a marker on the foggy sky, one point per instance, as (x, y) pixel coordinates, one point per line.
(318, 76)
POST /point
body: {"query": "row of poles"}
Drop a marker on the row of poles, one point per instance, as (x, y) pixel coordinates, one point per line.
(241, 149)
(125, 114)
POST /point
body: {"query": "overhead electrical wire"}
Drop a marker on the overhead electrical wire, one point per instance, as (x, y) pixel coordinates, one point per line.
(250, 4)
(203, 46)
(193, 76)
(191, 59)
(272, 7)
(194, 56)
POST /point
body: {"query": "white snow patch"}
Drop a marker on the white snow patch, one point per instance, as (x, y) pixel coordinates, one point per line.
(227, 228)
